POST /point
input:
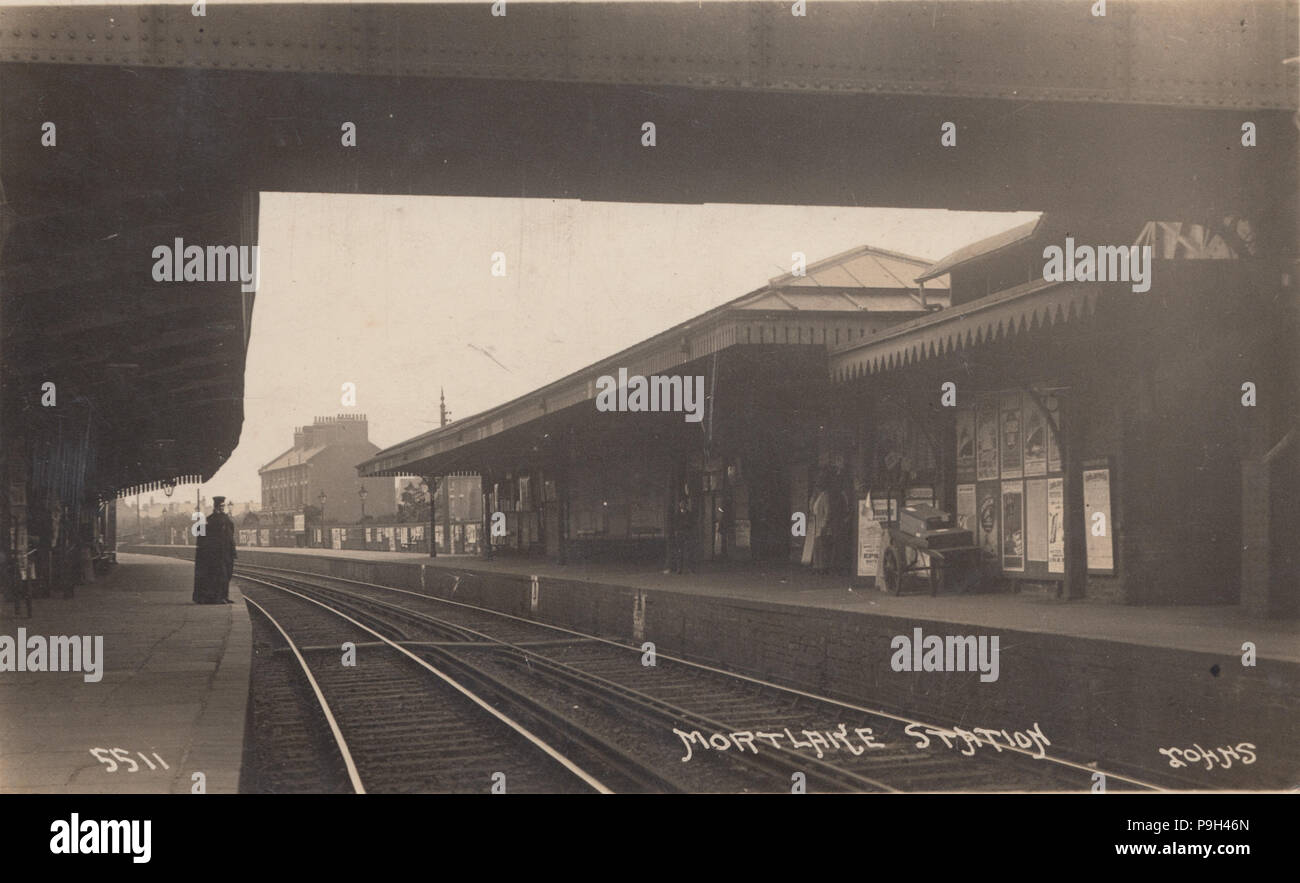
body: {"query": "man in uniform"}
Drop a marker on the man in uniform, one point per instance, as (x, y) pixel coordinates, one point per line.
(214, 557)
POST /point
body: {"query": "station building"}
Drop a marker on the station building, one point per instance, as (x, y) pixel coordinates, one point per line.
(1106, 443)
(577, 483)
(1103, 443)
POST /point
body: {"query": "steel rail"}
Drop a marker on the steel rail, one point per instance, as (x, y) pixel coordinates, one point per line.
(353, 776)
(523, 731)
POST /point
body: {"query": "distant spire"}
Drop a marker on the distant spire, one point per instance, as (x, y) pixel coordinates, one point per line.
(442, 407)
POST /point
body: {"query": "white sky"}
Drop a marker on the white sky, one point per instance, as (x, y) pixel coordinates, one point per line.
(393, 293)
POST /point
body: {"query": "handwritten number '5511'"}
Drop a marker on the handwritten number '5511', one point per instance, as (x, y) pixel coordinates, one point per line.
(112, 758)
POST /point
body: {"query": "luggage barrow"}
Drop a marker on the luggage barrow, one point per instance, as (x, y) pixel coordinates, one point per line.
(954, 565)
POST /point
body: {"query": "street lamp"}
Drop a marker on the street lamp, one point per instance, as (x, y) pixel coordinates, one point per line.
(323, 528)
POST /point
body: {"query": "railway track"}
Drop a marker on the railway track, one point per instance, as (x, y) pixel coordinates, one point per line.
(672, 726)
(398, 724)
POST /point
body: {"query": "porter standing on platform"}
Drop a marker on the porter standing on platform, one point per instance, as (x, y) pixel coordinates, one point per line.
(214, 557)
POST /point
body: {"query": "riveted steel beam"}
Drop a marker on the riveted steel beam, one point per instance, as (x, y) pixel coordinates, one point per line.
(1196, 53)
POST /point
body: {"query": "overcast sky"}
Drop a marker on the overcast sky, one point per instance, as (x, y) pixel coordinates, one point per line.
(395, 294)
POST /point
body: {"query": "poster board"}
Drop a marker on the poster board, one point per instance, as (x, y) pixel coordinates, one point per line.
(966, 514)
(1036, 519)
(987, 522)
(1010, 436)
(1013, 525)
(966, 445)
(1097, 516)
(1036, 432)
(869, 542)
(986, 439)
(1056, 525)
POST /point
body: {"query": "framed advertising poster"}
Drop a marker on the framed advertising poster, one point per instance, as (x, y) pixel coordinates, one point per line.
(966, 445)
(1036, 520)
(1097, 516)
(966, 507)
(986, 439)
(1035, 439)
(1056, 525)
(1011, 438)
(1013, 525)
(869, 531)
(988, 518)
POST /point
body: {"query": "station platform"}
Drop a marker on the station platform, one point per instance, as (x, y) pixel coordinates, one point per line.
(173, 690)
(1202, 629)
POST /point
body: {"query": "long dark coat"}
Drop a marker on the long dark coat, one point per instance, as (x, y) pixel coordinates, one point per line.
(214, 560)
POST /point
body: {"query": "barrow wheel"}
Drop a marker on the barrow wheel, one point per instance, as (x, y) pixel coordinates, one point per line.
(893, 572)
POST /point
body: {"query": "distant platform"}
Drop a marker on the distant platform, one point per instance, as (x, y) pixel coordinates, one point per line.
(1203, 629)
(173, 691)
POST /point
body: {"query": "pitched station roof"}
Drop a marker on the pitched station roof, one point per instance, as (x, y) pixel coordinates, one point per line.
(864, 267)
(865, 280)
(984, 247)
